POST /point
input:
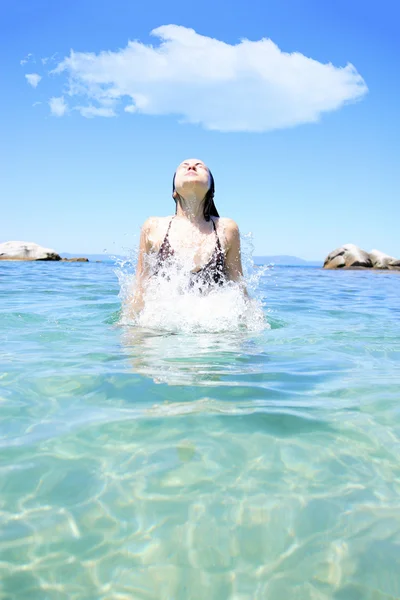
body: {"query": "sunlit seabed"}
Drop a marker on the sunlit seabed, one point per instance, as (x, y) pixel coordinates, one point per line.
(232, 461)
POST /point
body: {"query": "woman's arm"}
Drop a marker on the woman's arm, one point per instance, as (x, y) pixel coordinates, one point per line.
(234, 269)
(142, 267)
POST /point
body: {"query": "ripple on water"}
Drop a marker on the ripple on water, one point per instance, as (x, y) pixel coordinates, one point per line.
(239, 464)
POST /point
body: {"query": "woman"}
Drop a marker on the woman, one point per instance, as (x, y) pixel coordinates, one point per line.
(196, 237)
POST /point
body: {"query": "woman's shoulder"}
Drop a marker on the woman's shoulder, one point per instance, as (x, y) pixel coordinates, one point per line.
(229, 225)
(228, 231)
(152, 223)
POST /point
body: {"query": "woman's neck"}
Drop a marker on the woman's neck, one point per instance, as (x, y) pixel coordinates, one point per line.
(190, 207)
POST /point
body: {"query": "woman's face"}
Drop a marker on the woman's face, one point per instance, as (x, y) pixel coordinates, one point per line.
(192, 175)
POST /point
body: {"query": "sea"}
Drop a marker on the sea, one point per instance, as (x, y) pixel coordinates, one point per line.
(215, 448)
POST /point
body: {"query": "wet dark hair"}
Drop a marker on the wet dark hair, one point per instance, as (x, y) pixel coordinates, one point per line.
(210, 209)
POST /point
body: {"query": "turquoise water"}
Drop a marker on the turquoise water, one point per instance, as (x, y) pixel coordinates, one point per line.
(140, 464)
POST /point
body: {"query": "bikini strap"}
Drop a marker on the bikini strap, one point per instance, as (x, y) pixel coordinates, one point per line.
(165, 249)
(216, 235)
(169, 227)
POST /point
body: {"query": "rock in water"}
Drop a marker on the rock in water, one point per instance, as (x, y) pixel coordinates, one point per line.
(348, 256)
(79, 259)
(337, 262)
(380, 260)
(26, 251)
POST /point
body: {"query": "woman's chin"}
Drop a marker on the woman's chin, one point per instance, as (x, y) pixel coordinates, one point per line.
(194, 185)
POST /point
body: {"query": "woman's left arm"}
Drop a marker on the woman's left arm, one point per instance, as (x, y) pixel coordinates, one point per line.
(234, 269)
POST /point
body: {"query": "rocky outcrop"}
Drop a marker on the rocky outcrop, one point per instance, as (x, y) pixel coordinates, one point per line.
(75, 260)
(31, 251)
(350, 256)
(380, 260)
(26, 251)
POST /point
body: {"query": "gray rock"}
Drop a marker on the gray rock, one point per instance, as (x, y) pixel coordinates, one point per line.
(380, 260)
(26, 251)
(338, 262)
(347, 256)
(79, 259)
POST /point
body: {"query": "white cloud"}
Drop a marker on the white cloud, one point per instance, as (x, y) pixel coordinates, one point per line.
(33, 79)
(47, 59)
(58, 107)
(95, 111)
(251, 86)
(29, 57)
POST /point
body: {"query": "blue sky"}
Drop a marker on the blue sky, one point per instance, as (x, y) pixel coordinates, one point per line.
(303, 156)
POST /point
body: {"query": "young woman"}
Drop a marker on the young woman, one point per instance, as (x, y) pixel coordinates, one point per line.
(205, 245)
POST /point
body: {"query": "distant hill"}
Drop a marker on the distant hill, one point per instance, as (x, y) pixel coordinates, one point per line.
(287, 260)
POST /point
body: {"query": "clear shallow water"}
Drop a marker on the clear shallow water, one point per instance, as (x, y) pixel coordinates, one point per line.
(241, 465)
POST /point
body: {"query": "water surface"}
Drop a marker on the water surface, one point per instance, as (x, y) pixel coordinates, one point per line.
(241, 464)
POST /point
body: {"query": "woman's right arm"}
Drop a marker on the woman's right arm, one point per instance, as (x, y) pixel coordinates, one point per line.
(142, 266)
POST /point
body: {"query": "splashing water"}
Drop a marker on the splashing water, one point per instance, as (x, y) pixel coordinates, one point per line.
(172, 305)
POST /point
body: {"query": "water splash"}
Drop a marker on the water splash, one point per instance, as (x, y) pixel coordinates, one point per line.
(172, 305)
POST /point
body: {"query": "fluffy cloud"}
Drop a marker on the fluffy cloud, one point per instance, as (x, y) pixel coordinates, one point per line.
(58, 107)
(251, 86)
(33, 79)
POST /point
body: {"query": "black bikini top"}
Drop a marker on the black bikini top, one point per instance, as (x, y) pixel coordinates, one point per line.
(212, 272)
